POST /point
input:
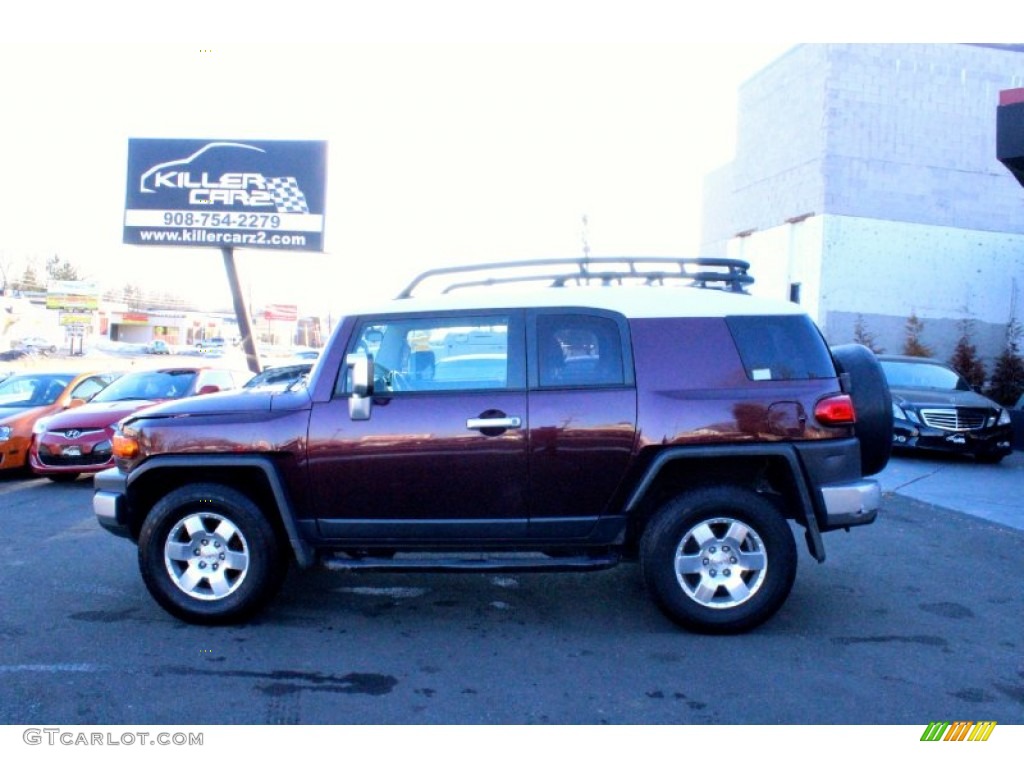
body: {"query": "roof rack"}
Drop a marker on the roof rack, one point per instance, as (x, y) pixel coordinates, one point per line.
(719, 273)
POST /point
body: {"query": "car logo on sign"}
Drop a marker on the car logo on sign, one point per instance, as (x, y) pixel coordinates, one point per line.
(71, 434)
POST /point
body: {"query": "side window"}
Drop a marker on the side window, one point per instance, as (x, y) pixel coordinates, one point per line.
(86, 389)
(578, 351)
(435, 354)
(784, 347)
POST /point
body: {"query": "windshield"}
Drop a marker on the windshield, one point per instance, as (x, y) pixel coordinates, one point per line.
(923, 375)
(281, 377)
(148, 385)
(31, 391)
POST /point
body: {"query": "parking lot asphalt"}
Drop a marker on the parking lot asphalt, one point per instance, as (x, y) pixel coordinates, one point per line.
(993, 492)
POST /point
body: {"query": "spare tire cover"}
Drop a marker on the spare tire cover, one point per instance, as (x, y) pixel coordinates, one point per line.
(872, 401)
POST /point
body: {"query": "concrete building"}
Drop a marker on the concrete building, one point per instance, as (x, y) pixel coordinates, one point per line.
(866, 186)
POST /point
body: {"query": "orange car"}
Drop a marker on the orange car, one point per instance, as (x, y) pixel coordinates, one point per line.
(29, 396)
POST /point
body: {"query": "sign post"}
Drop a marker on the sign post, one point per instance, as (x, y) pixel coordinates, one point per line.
(227, 194)
(76, 301)
(252, 358)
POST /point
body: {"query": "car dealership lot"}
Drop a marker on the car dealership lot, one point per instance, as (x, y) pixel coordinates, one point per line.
(959, 483)
(910, 622)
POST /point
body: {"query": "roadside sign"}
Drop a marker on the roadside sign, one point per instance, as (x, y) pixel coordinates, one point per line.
(289, 312)
(72, 320)
(76, 295)
(226, 194)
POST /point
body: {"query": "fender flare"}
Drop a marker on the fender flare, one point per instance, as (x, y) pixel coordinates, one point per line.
(304, 553)
(805, 514)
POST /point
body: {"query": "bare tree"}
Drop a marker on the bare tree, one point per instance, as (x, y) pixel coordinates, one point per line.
(58, 271)
(861, 335)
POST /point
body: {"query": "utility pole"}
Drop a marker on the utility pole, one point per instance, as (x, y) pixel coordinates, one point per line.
(586, 238)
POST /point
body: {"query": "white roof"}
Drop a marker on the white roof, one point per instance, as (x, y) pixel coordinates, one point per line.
(633, 301)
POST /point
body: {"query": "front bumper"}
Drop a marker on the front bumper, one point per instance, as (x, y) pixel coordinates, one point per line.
(56, 458)
(993, 441)
(13, 453)
(110, 501)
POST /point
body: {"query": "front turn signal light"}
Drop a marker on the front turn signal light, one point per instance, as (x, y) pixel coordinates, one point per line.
(125, 447)
(835, 411)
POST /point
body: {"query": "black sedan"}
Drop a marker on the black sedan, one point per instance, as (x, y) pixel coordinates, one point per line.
(935, 409)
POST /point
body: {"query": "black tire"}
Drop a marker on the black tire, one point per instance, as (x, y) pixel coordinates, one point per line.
(872, 402)
(988, 458)
(741, 554)
(208, 555)
(62, 479)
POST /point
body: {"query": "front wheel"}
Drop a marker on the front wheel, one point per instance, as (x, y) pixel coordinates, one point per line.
(718, 559)
(208, 555)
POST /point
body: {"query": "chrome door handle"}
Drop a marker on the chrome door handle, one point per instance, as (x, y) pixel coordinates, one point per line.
(506, 422)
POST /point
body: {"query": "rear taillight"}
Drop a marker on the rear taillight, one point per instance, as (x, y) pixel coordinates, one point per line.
(835, 411)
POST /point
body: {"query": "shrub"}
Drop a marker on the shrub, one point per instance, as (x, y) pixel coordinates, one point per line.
(1008, 375)
(913, 345)
(965, 356)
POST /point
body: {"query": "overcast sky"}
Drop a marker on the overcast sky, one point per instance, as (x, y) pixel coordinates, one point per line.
(457, 131)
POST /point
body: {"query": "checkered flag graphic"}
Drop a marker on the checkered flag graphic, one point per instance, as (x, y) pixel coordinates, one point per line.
(286, 194)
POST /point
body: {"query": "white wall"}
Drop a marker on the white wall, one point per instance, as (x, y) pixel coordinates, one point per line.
(885, 270)
(891, 267)
(783, 255)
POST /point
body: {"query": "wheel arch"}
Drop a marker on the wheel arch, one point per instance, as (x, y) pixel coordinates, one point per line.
(775, 471)
(256, 477)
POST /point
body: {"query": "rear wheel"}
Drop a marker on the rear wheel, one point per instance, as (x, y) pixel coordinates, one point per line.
(718, 559)
(209, 556)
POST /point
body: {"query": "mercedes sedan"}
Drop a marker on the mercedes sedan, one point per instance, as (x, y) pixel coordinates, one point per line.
(935, 409)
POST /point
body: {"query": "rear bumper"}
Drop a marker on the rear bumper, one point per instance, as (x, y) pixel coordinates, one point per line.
(851, 503)
(845, 497)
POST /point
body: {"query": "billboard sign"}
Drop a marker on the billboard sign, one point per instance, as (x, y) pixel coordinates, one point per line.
(74, 295)
(288, 312)
(245, 194)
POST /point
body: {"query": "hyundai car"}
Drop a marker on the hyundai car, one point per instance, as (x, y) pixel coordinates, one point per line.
(79, 442)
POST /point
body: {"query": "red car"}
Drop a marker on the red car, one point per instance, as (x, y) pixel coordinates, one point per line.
(79, 441)
(29, 397)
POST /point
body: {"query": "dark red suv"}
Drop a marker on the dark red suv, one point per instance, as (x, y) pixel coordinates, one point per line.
(614, 416)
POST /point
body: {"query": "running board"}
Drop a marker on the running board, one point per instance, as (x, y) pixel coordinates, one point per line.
(511, 563)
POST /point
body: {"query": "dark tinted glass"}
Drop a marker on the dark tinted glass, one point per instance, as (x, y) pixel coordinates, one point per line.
(579, 351)
(922, 375)
(781, 348)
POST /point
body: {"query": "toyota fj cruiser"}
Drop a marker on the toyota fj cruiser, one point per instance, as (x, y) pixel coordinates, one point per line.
(614, 410)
